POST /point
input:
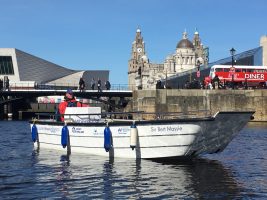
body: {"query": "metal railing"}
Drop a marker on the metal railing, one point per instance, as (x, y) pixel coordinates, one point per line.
(31, 85)
(131, 116)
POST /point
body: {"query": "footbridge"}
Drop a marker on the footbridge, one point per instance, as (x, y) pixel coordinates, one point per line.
(88, 94)
(16, 100)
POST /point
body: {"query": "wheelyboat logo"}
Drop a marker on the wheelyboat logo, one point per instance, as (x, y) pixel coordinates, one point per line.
(123, 130)
(49, 129)
(97, 132)
(77, 130)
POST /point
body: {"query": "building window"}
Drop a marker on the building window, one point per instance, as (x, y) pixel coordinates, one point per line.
(6, 65)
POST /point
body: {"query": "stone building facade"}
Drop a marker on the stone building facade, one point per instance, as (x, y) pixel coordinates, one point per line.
(142, 74)
(263, 44)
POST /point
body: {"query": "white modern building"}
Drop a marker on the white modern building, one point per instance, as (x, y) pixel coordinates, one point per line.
(26, 70)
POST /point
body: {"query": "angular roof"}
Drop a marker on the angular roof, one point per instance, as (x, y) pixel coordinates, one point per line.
(37, 69)
(28, 67)
(245, 54)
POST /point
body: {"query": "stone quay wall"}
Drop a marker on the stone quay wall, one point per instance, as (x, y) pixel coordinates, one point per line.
(201, 102)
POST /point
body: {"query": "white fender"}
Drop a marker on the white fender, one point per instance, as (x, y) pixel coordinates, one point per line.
(133, 136)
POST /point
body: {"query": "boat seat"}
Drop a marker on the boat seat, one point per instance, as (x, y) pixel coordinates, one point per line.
(83, 114)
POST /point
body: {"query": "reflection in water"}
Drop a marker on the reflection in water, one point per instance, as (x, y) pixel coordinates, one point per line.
(246, 157)
(64, 175)
(240, 173)
(84, 176)
(107, 179)
(199, 178)
(35, 154)
(204, 179)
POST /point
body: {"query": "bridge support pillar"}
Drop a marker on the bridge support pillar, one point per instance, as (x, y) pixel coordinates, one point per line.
(8, 111)
(5, 111)
(1, 111)
(20, 115)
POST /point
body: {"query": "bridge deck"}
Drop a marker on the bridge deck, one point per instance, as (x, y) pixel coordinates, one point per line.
(31, 93)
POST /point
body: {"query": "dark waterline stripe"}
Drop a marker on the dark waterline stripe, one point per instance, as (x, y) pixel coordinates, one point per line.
(118, 147)
(102, 136)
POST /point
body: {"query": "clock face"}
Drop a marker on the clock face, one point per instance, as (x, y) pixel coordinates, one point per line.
(139, 50)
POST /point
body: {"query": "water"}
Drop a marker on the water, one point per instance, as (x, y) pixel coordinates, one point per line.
(240, 172)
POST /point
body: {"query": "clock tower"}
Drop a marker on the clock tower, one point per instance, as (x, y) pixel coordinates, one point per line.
(136, 63)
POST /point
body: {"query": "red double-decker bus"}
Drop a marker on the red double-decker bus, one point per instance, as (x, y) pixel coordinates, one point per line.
(251, 75)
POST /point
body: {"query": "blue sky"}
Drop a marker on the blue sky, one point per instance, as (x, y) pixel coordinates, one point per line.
(97, 34)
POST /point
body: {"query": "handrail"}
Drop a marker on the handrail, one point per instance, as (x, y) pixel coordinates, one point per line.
(139, 115)
(32, 85)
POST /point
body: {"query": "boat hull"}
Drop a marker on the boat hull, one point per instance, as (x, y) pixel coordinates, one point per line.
(156, 139)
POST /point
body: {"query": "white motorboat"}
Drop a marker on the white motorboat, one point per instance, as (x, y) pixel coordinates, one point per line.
(158, 138)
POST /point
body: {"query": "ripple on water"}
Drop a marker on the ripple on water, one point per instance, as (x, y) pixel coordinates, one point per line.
(240, 172)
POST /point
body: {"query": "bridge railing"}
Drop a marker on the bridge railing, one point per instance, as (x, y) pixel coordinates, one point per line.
(120, 87)
(32, 85)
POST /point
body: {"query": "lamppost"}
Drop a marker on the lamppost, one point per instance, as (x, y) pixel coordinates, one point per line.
(232, 71)
(198, 70)
(140, 86)
(166, 79)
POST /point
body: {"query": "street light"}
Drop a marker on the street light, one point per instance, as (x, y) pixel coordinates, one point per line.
(166, 78)
(140, 84)
(198, 70)
(232, 52)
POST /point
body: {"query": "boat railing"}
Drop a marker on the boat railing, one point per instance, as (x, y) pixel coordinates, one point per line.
(134, 115)
(173, 115)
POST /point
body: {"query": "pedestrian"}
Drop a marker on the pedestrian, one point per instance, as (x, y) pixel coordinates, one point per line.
(207, 81)
(246, 84)
(187, 85)
(158, 85)
(1, 84)
(7, 84)
(81, 84)
(108, 85)
(93, 84)
(210, 86)
(216, 82)
(99, 85)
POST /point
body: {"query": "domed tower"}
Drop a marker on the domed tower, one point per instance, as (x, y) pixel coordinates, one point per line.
(200, 51)
(184, 43)
(185, 54)
(196, 40)
(138, 58)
